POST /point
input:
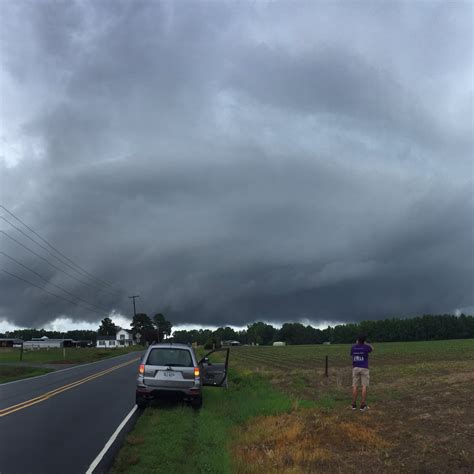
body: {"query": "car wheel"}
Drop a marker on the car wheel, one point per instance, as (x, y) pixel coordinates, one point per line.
(197, 403)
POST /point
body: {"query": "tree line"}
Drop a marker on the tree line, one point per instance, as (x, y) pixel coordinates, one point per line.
(158, 329)
(423, 328)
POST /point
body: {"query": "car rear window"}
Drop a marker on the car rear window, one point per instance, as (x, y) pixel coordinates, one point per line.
(170, 357)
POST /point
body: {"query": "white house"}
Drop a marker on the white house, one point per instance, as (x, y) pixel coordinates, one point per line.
(124, 338)
(121, 339)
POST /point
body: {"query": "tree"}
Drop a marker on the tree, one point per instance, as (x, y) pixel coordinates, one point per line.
(163, 327)
(212, 343)
(260, 333)
(143, 325)
(225, 334)
(183, 337)
(107, 328)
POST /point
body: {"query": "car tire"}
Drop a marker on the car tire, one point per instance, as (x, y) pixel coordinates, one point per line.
(141, 402)
(197, 403)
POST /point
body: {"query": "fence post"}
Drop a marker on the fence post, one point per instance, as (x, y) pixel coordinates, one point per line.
(21, 352)
(326, 371)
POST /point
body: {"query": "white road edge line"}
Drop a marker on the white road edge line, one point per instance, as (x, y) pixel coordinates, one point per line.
(109, 443)
(64, 370)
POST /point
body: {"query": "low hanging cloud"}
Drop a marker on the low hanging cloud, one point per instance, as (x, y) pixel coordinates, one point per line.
(235, 162)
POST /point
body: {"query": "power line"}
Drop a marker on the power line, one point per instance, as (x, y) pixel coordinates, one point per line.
(55, 256)
(51, 283)
(54, 248)
(49, 292)
(47, 250)
(52, 264)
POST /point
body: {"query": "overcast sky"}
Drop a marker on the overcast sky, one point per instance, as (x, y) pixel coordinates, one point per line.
(240, 161)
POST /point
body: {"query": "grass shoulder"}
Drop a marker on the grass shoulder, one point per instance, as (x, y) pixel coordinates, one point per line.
(11, 373)
(176, 438)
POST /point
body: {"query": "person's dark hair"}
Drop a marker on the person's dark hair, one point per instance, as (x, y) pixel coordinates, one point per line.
(361, 338)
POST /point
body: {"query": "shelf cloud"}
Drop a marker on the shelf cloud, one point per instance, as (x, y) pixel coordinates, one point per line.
(233, 162)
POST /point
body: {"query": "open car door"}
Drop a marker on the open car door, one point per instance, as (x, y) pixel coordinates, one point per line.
(214, 369)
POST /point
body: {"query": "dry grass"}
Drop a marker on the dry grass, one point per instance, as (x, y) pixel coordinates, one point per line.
(305, 441)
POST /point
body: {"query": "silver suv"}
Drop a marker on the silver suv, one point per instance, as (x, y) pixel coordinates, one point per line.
(173, 371)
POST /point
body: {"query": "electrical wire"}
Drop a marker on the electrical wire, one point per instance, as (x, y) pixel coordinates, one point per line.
(51, 283)
(53, 265)
(49, 292)
(47, 250)
(103, 282)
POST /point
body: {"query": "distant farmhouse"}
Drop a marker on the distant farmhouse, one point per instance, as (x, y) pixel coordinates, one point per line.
(123, 338)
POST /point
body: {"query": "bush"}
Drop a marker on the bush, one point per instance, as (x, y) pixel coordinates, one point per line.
(212, 343)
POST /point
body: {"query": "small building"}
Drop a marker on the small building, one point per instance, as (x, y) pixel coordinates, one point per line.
(10, 342)
(230, 343)
(279, 343)
(106, 342)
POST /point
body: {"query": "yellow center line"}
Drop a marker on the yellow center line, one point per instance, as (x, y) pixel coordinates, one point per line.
(64, 388)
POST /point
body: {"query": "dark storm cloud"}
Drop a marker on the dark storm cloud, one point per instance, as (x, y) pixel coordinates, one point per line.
(337, 83)
(240, 162)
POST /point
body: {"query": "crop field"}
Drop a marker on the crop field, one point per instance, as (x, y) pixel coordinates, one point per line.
(421, 398)
(281, 414)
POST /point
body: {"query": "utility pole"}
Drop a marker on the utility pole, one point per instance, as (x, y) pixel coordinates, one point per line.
(133, 298)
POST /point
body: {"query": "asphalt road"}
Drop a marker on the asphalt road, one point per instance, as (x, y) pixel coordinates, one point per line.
(58, 423)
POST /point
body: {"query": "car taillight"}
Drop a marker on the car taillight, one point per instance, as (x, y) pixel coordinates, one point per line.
(141, 369)
(196, 372)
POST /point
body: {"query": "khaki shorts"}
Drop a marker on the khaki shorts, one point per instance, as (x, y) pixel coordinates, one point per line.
(360, 376)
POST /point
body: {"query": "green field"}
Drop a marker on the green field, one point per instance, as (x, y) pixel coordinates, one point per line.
(73, 355)
(8, 373)
(281, 414)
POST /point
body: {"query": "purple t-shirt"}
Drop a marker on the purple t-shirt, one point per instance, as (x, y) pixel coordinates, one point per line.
(360, 355)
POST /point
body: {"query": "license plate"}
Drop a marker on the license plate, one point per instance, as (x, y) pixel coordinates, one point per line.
(169, 374)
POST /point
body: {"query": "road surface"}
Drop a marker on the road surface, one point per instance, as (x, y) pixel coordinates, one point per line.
(60, 422)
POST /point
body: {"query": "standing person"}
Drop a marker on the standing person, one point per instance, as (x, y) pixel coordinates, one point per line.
(360, 370)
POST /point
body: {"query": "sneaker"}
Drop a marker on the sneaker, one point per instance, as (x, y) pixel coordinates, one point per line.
(364, 407)
(354, 406)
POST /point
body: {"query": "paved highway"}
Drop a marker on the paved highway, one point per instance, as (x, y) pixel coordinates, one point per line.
(60, 422)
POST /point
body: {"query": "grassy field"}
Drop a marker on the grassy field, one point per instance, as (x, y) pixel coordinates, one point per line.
(8, 374)
(56, 356)
(281, 414)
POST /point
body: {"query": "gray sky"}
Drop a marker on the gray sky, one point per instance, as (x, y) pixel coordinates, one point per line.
(233, 162)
